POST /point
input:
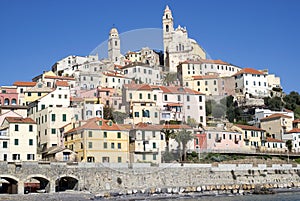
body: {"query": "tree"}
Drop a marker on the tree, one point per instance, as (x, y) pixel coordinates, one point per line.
(274, 103)
(192, 122)
(182, 137)
(169, 133)
(108, 112)
(289, 145)
(169, 78)
(119, 116)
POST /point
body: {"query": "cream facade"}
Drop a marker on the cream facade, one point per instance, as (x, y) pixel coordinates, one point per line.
(18, 139)
(100, 141)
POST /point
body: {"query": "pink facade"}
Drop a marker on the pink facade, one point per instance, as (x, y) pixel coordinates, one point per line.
(200, 141)
(9, 96)
(223, 140)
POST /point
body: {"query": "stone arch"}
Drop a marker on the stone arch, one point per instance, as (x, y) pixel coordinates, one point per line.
(41, 183)
(9, 184)
(66, 182)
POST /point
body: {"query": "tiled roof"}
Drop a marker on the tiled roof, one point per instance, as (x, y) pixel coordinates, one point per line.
(20, 120)
(208, 61)
(294, 130)
(114, 74)
(61, 83)
(275, 116)
(24, 84)
(59, 77)
(202, 77)
(142, 87)
(176, 126)
(246, 127)
(179, 90)
(296, 121)
(93, 124)
(249, 71)
(269, 139)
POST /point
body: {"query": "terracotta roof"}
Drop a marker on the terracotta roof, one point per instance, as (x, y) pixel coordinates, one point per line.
(134, 86)
(202, 77)
(296, 121)
(174, 104)
(61, 83)
(176, 126)
(294, 130)
(275, 116)
(179, 90)
(20, 120)
(269, 139)
(144, 126)
(76, 99)
(24, 84)
(93, 124)
(59, 77)
(246, 127)
(114, 74)
(249, 71)
(203, 61)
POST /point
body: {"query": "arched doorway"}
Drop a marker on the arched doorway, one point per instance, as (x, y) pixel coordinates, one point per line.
(66, 183)
(36, 184)
(8, 185)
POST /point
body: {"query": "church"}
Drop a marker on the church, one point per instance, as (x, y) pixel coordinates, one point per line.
(178, 47)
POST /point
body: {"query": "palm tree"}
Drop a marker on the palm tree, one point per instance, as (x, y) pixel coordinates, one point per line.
(168, 134)
(182, 137)
(169, 78)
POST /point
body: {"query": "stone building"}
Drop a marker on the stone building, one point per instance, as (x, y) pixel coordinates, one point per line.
(178, 46)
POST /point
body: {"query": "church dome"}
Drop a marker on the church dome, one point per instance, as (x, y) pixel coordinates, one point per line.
(113, 31)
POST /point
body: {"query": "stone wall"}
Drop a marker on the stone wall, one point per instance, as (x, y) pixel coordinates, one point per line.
(98, 177)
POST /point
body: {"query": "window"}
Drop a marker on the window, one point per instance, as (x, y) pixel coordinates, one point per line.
(136, 114)
(141, 96)
(154, 156)
(29, 93)
(149, 96)
(206, 83)
(16, 156)
(155, 97)
(66, 96)
(39, 94)
(166, 97)
(5, 157)
(130, 95)
(155, 114)
(144, 156)
(16, 127)
(178, 98)
(146, 113)
(90, 145)
(53, 117)
(104, 134)
(4, 144)
(59, 96)
(188, 98)
(112, 145)
(119, 135)
(119, 146)
(90, 134)
(64, 117)
(200, 98)
(154, 145)
(16, 141)
(105, 145)
(53, 131)
(119, 159)
(201, 118)
(30, 142)
(30, 128)
(198, 83)
(66, 156)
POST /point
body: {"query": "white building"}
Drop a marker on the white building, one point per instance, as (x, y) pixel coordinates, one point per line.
(52, 112)
(145, 55)
(252, 82)
(143, 73)
(18, 139)
(294, 136)
(177, 46)
(263, 113)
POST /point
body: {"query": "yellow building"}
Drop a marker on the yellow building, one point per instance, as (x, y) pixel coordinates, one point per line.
(253, 137)
(36, 92)
(99, 140)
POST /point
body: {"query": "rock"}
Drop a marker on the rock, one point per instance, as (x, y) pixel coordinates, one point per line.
(158, 190)
(129, 192)
(169, 190)
(181, 189)
(134, 191)
(175, 190)
(198, 189)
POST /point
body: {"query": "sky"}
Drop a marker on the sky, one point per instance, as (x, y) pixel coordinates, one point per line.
(260, 34)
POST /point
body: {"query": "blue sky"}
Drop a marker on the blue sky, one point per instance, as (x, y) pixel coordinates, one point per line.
(261, 34)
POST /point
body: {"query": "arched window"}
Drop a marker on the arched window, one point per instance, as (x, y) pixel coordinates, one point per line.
(167, 28)
(6, 101)
(116, 43)
(99, 113)
(13, 101)
(167, 16)
(89, 113)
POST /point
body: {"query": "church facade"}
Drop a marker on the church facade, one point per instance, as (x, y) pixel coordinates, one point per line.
(178, 47)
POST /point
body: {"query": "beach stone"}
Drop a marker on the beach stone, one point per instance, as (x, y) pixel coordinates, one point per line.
(199, 189)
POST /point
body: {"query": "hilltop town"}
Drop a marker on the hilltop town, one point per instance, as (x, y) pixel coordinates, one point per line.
(147, 106)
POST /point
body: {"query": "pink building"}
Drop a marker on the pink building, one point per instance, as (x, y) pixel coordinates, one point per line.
(8, 95)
